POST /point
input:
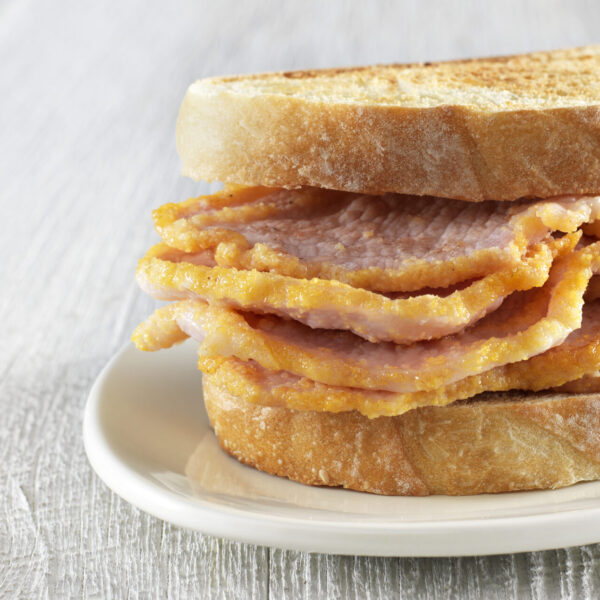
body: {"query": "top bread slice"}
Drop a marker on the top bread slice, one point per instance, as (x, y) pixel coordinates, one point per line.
(495, 128)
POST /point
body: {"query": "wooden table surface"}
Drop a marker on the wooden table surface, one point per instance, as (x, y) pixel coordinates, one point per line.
(89, 93)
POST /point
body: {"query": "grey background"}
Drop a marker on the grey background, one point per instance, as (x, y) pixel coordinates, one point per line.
(89, 94)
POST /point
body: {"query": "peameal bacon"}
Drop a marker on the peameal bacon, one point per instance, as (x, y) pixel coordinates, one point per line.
(589, 383)
(385, 243)
(526, 324)
(570, 367)
(168, 274)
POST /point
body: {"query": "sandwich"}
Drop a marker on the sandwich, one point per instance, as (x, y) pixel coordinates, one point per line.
(397, 289)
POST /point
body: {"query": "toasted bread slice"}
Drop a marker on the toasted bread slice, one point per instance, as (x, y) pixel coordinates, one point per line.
(493, 443)
(496, 128)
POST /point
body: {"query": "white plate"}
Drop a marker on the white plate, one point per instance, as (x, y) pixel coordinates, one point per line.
(147, 436)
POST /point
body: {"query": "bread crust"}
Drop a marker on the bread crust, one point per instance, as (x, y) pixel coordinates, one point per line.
(494, 443)
(230, 130)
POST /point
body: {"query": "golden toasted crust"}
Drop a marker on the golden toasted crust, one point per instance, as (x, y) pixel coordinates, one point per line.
(499, 129)
(496, 443)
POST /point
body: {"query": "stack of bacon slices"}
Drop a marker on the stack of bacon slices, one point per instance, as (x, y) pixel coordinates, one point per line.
(329, 301)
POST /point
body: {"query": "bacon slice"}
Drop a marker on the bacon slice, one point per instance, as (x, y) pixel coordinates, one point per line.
(166, 274)
(592, 229)
(593, 289)
(569, 368)
(588, 384)
(527, 323)
(382, 243)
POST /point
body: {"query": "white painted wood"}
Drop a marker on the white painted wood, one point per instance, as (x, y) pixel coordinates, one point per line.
(89, 93)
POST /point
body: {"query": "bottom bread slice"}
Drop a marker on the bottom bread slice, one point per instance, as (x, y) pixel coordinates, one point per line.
(493, 443)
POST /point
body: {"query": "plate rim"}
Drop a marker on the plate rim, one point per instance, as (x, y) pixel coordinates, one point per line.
(453, 537)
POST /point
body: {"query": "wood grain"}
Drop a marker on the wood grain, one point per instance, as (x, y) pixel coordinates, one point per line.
(89, 96)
